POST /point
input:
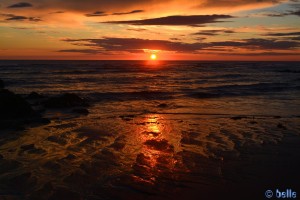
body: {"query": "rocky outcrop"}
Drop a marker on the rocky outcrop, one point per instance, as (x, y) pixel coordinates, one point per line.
(13, 106)
(81, 111)
(15, 111)
(67, 100)
(35, 95)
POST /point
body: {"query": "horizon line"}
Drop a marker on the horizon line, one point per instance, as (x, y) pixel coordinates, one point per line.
(151, 60)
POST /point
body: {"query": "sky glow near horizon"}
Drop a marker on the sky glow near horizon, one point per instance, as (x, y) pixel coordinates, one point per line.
(135, 29)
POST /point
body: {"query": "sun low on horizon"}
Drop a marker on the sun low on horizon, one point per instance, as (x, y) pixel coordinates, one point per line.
(153, 57)
(122, 30)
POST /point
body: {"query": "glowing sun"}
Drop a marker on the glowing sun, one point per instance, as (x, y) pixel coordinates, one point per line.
(153, 56)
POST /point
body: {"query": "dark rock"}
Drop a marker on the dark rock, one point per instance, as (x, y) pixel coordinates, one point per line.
(35, 95)
(82, 111)
(19, 127)
(44, 121)
(13, 106)
(1, 84)
(15, 111)
(65, 101)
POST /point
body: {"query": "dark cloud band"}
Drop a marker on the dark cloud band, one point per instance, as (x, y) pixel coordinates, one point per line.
(179, 20)
(20, 5)
(135, 44)
(102, 13)
(12, 17)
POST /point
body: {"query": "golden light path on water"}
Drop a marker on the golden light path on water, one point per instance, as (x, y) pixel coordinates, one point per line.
(157, 155)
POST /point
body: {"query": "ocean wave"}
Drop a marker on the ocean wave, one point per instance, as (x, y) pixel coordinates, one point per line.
(227, 76)
(243, 90)
(127, 96)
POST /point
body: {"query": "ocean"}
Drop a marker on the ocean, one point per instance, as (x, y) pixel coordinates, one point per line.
(155, 130)
(196, 87)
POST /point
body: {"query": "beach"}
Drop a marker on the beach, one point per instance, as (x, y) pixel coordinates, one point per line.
(134, 130)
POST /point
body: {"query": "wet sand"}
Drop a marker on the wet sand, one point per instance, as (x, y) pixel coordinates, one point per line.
(150, 156)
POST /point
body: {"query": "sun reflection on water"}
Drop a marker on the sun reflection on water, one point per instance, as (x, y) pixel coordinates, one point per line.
(157, 155)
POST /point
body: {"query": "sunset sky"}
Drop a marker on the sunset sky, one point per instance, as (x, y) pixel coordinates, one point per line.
(135, 29)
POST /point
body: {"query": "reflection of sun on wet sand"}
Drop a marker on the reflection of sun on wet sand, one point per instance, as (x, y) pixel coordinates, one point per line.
(161, 165)
(157, 154)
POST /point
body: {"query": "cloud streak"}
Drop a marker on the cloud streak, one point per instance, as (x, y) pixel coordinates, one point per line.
(137, 29)
(213, 32)
(138, 45)
(86, 51)
(113, 6)
(178, 20)
(20, 5)
(236, 3)
(127, 13)
(267, 53)
(284, 34)
(96, 14)
(258, 44)
(12, 17)
(295, 12)
(102, 13)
